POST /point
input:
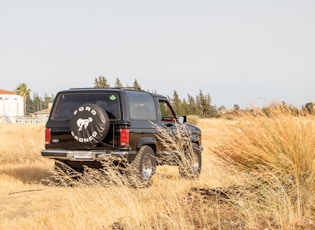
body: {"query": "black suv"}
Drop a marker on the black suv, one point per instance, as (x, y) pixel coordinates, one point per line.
(87, 124)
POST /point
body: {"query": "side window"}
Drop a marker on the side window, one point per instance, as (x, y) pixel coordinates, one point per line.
(141, 106)
(166, 112)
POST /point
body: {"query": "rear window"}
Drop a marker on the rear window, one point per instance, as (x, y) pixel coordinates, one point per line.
(67, 103)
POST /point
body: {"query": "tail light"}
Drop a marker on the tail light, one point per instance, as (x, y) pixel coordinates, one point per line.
(47, 136)
(124, 137)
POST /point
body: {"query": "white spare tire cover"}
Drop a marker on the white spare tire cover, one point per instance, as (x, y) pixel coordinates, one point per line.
(89, 125)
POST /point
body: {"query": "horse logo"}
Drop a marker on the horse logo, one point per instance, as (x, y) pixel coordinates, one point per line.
(84, 122)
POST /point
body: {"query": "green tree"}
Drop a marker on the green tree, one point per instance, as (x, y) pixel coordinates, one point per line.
(204, 104)
(192, 108)
(23, 91)
(47, 101)
(177, 103)
(101, 82)
(185, 108)
(37, 103)
(118, 83)
(29, 105)
(32, 104)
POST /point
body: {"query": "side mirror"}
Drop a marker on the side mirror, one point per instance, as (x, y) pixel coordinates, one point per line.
(182, 119)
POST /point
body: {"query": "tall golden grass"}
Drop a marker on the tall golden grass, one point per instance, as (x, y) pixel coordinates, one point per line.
(257, 173)
(274, 151)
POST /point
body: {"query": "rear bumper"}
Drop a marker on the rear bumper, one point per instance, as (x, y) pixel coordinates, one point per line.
(82, 155)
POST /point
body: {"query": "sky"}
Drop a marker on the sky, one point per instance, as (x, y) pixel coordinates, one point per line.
(243, 52)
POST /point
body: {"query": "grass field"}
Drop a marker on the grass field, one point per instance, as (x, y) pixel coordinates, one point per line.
(258, 173)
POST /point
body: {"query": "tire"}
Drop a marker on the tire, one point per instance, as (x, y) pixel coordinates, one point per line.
(190, 165)
(142, 168)
(89, 125)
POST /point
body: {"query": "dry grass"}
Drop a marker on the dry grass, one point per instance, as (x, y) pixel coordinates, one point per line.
(248, 180)
(274, 152)
(19, 143)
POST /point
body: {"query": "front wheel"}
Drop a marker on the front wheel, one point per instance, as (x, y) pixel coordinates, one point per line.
(190, 165)
(142, 168)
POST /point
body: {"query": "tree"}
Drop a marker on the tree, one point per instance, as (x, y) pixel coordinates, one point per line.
(37, 103)
(310, 106)
(236, 107)
(192, 105)
(47, 101)
(177, 103)
(204, 104)
(136, 85)
(23, 91)
(118, 83)
(222, 108)
(185, 108)
(101, 82)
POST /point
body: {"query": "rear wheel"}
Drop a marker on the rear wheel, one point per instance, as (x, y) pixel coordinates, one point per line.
(141, 170)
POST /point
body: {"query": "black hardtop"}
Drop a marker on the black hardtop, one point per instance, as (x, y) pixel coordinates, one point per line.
(91, 89)
(122, 91)
(111, 89)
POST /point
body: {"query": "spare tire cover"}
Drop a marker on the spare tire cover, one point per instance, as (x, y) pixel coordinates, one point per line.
(89, 125)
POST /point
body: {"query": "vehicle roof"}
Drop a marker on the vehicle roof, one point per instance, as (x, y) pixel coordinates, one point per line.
(111, 89)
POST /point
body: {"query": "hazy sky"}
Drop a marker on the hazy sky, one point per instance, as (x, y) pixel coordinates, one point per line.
(238, 52)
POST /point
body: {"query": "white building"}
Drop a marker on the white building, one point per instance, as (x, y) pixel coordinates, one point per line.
(11, 105)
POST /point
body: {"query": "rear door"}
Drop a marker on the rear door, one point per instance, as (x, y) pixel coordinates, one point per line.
(67, 102)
